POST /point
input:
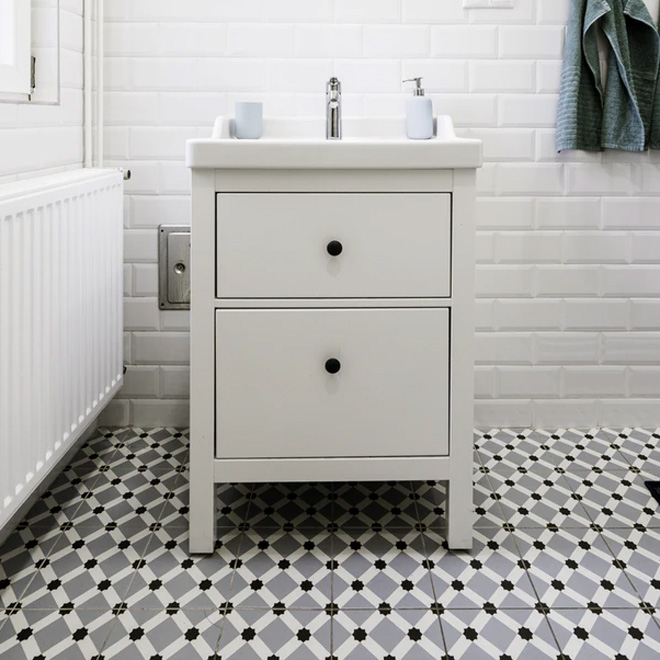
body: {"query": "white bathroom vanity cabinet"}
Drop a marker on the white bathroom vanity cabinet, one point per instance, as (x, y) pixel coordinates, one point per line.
(332, 311)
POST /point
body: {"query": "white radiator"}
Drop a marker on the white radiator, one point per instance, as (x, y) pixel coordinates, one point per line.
(61, 357)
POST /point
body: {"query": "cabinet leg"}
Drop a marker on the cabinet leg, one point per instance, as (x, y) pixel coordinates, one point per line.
(202, 515)
(459, 514)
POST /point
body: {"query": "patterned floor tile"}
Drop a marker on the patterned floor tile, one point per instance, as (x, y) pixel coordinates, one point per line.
(61, 502)
(22, 555)
(97, 451)
(505, 450)
(563, 521)
(637, 551)
(491, 574)
(386, 633)
(539, 498)
(477, 440)
(431, 499)
(375, 504)
(171, 634)
(175, 512)
(488, 512)
(619, 499)
(89, 567)
(568, 449)
(374, 568)
(67, 634)
(278, 568)
(233, 503)
(289, 505)
(606, 635)
(168, 574)
(134, 497)
(84, 473)
(578, 451)
(641, 449)
(160, 449)
(485, 635)
(572, 567)
(277, 635)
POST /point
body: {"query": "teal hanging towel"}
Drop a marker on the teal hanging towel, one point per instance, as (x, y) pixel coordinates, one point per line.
(580, 111)
(624, 115)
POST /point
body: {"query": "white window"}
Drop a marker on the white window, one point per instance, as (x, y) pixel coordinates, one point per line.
(15, 46)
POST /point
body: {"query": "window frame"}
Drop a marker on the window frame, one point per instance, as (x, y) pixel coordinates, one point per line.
(15, 75)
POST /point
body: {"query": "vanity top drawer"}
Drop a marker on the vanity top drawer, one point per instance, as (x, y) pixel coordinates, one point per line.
(333, 245)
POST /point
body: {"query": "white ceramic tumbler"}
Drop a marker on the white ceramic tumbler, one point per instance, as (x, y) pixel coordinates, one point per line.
(248, 120)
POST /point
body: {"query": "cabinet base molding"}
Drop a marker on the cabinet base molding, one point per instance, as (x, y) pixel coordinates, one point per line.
(413, 468)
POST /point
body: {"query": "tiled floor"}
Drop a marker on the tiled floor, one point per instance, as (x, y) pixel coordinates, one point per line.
(565, 563)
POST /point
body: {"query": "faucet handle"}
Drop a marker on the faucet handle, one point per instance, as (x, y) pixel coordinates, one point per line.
(333, 85)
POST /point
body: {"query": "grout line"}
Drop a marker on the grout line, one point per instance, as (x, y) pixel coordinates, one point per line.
(443, 636)
(536, 593)
(127, 591)
(106, 639)
(237, 555)
(428, 569)
(529, 577)
(600, 535)
(333, 539)
(624, 571)
(320, 609)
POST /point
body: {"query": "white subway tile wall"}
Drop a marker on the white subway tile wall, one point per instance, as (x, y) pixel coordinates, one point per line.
(568, 274)
(46, 137)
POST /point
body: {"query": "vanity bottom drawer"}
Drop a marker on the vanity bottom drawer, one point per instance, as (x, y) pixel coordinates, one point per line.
(332, 382)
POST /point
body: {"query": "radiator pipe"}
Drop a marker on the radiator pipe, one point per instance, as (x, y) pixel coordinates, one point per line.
(87, 76)
(99, 82)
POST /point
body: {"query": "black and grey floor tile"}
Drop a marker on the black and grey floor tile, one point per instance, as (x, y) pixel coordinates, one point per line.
(493, 633)
(539, 497)
(492, 573)
(618, 499)
(375, 567)
(564, 564)
(384, 632)
(169, 632)
(601, 634)
(69, 633)
(295, 505)
(573, 567)
(285, 569)
(256, 634)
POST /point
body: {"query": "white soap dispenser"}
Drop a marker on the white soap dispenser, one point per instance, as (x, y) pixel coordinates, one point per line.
(419, 113)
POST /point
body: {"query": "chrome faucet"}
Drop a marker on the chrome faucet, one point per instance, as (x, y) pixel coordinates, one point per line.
(333, 109)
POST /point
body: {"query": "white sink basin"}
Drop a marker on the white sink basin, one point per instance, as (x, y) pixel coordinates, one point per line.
(367, 143)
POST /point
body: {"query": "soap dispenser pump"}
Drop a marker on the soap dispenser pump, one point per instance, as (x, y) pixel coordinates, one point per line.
(419, 113)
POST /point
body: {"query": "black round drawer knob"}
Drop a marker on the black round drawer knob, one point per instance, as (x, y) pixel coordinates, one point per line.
(332, 366)
(334, 248)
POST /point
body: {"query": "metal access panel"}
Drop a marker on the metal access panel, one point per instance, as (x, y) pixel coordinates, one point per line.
(174, 267)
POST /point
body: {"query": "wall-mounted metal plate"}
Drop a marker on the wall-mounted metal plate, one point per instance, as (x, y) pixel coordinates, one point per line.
(174, 267)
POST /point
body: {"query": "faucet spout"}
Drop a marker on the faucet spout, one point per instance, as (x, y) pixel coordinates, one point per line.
(333, 109)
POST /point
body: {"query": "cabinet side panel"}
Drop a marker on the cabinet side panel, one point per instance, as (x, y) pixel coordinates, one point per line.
(202, 359)
(462, 362)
